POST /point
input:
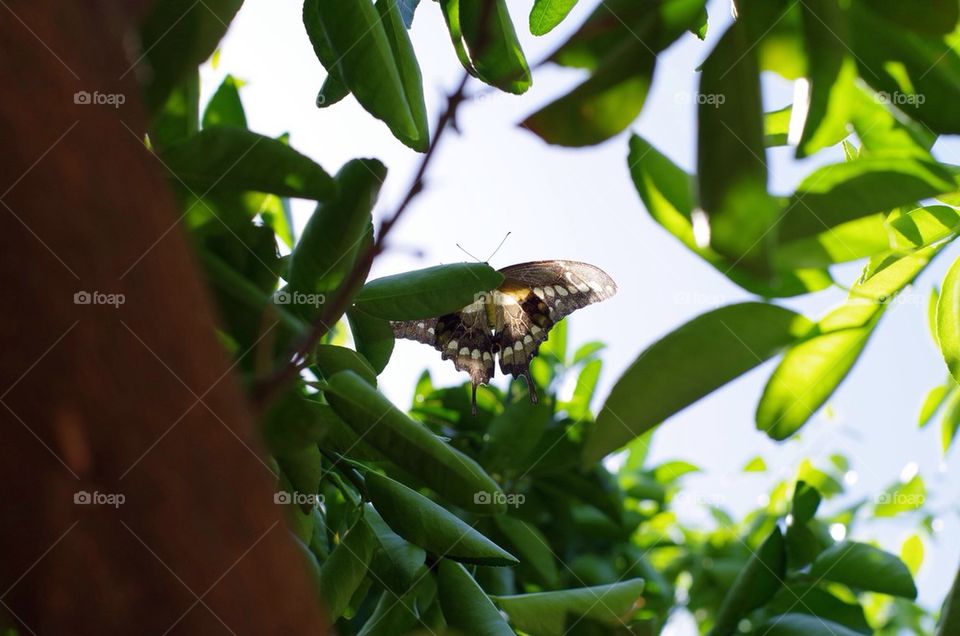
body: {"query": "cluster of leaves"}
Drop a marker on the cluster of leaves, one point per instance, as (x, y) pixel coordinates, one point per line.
(410, 503)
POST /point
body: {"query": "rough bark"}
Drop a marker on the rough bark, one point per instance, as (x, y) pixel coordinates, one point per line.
(136, 400)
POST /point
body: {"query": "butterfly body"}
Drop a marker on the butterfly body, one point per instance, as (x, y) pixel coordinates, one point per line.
(511, 322)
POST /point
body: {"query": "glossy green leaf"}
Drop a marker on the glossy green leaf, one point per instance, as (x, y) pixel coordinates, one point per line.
(427, 293)
(546, 613)
(373, 338)
(229, 158)
(849, 241)
(428, 525)
(336, 231)
(776, 127)
(864, 567)
(453, 475)
(687, 364)
(547, 14)
(756, 584)
(948, 319)
(804, 625)
(176, 36)
(293, 422)
(225, 107)
(668, 193)
(950, 422)
(806, 500)
(531, 547)
(370, 50)
(487, 44)
(924, 226)
(346, 568)
(821, 604)
(466, 606)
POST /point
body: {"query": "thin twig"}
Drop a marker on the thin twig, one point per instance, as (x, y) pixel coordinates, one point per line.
(265, 389)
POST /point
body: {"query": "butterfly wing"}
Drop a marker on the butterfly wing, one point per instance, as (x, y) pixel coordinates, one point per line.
(463, 337)
(536, 296)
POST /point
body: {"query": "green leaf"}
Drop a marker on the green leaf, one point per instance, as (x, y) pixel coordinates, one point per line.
(405, 558)
(668, 193)
(465, 605)
(901, 497)
(950, 614)
(407, 10)
(938, 17)
(370, 50)
(410, 445)
(804, 625)
(531, 546)
(604, 105)
(831, 71)
(849, 241)
(842, 192)
(331, 359)
(545, 613)
(346, 568)
(294, 422)
(924, 226)
(806, 500)
(948, 319)
(230, 158)
(513, 435)
(755, 465)
(730, 156)
(336, 231)
(950, 422)
(864, 567)
(547, 14)
(587, 351)
(428, 525)
(579, 405)
(756, 584)
(489, 51)
(179, 116)
(225, 107)
(687, 364)
(427, 293)
(177, 36)
(920, 74)
(776, 127)
(812, 370)
(932, 403)
(911, 553)
(373, 338)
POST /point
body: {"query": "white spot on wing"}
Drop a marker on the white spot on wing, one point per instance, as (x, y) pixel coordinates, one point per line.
(561, 290)
(453, 344)
(465, 351)
(549, 291)
(538, 292)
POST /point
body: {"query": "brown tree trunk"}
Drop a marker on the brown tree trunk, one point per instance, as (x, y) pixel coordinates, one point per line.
(137, 400)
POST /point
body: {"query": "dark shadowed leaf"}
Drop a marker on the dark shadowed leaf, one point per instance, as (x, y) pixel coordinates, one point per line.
(804, 625)
(427, 293)
(428, 525)
(232, 158)
(346, 568)
(373, 338)
(754, 586)
(410, 445)
(225, 107)
(465, 605)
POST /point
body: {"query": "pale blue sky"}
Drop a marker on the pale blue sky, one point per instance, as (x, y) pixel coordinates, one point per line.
(581, 205)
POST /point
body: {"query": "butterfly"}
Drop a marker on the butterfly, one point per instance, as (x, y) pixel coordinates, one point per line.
(512, 321)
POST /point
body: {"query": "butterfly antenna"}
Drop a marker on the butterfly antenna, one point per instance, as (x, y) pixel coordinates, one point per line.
(468, 253)
(498, 248)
